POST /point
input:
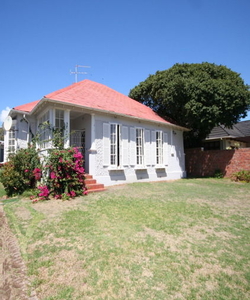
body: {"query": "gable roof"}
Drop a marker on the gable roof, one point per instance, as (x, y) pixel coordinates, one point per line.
(239, 131)
(93, 95)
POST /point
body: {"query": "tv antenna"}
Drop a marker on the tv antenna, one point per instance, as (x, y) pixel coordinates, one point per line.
(76, 72)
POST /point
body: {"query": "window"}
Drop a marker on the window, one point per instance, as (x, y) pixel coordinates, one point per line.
(44, 130)
(58, 130)
(159, 148)
(111, 144)
(115, 144)
(213, 145)
(12, 140)
(139, 147)
(59, 119)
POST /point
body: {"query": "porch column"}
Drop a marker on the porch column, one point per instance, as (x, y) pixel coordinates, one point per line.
(93, 145)
(6, 145)
(92, 150)
(67, 128)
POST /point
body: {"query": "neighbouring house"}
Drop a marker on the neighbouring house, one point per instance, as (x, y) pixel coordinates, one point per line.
(222, 138)
(121, 139)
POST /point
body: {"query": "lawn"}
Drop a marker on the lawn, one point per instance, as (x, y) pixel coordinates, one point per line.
(186, 239)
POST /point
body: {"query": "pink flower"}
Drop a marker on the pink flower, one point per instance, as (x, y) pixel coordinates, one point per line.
(26, 171)
(72, 194)
(53, 175)
(44, 191)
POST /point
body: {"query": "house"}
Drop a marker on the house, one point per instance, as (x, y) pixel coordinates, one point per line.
(222, 138)
(121, 139)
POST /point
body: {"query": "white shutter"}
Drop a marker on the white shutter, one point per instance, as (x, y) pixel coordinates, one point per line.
(147, 148)
(153, 147)
(165, 149)
(132, 147)
(125, 145)
(106, 144)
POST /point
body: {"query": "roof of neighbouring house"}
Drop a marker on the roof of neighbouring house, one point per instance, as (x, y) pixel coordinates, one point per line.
(239, 131)
(93, 95)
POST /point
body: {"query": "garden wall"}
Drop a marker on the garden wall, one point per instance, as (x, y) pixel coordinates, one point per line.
(201, 163)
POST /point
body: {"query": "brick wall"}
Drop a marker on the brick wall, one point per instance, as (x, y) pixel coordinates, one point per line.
(204, 163)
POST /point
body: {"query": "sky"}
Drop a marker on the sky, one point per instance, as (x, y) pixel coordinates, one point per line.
(123, 42)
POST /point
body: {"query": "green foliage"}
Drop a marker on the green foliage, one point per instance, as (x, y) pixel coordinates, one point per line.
(196, 96)
(17, 175)
(1, 134)
(243, 175)
(64, 174)
(218, 174)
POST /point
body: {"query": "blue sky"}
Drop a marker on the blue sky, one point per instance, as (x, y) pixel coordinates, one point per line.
(122, 41)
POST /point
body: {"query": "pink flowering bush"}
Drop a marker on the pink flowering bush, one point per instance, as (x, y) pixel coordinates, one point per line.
(65, 174)
(44, 192)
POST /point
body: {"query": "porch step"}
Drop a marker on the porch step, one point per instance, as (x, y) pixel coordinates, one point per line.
(92, 185)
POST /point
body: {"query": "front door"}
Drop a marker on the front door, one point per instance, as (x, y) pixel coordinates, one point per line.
(77, 139)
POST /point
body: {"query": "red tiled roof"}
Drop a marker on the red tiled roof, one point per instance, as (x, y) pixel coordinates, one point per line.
(95, 95)
(27, 107)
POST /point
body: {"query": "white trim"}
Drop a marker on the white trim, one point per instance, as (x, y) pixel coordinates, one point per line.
(93, 144)
(125, 146)
(106, 144)
(165, 149)
(147, 148)
(153, 147)
(132, 147)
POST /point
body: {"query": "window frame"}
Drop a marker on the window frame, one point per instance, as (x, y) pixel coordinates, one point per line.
(139, 146)
(12, 140)
(115, 145)
(44, 132)
(159, 147)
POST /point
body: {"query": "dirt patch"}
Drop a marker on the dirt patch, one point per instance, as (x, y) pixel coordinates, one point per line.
(13, 282)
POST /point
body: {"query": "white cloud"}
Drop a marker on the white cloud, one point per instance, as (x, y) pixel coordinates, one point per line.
(4, 114)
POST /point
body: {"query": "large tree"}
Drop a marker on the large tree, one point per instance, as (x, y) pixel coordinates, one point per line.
(196, 96)
(1, 134)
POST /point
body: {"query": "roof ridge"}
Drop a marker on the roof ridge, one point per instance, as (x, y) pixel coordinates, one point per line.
(67, 88)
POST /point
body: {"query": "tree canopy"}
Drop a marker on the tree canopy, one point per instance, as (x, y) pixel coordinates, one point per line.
(196, 96)
(1, 134)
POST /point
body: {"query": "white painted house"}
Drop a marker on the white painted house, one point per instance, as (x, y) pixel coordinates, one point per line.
(121, 139)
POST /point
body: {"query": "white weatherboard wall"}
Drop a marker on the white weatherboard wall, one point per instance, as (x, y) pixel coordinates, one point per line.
(174, 161)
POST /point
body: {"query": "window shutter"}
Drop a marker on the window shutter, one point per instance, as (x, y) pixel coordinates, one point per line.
(106, 144)
(165, 149)
(132, 147)
(147, 148)
(153, 147)
(125, 145)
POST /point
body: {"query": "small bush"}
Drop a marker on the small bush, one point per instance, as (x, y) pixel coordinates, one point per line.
(218, 173)
(243, 175)
(64, 174)
(17, 175)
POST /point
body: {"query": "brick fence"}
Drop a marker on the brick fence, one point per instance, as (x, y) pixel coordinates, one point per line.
(201, 163)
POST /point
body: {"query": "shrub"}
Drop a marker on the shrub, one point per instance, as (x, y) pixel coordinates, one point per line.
(243, 175)
(17, 175)
(64, 174)
(218, 173)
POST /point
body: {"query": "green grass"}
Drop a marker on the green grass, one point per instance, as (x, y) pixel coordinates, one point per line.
(2, 191)
(187, 239)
